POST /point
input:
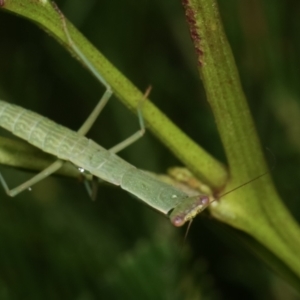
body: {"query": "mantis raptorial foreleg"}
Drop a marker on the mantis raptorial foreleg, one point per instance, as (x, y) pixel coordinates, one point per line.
(84, 128)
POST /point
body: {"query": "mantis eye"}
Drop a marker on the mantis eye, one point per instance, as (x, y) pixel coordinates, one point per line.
(178, 221)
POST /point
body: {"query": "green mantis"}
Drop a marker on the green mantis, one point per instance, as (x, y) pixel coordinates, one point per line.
(72, 146)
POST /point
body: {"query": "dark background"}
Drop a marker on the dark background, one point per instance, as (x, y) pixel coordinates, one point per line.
(57, 244)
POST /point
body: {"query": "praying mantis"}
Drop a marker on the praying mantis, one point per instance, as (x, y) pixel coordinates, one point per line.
(68, 145)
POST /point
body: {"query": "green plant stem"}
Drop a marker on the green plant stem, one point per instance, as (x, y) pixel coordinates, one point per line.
(256, 209)
(194, 157)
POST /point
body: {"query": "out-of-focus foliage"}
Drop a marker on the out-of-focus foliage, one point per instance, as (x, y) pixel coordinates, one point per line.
(55, 242)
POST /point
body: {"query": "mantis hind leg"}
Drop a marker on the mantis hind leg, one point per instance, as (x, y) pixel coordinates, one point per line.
(27, 184)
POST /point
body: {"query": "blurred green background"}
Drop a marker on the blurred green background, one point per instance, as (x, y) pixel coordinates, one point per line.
(57, 244)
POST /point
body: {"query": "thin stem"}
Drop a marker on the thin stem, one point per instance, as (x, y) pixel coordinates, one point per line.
(256, 208)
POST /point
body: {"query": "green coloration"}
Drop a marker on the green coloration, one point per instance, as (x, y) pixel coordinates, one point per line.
(72, 146)
(68, 145)
(193, 156)
(265, 44)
